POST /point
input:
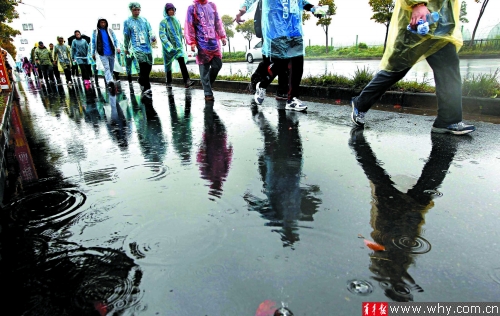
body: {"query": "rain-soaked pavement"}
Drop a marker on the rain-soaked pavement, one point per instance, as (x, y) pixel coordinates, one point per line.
(184, 208)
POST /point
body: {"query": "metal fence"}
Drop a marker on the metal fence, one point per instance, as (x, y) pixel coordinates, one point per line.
(494, 43)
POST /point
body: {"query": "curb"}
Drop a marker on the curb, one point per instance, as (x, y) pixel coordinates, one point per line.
(335, 95)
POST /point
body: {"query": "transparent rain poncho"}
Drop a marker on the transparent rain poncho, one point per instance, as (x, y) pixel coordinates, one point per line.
(172, 40)
(405, 49)
(281, 27)
(137, 33)
(205, 33)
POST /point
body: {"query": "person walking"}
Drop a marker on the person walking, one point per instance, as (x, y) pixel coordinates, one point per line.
(137, 33)
(172, 39)
(37, 70)
(44, 60)
(203, 30)
(283, 46)
(28, 68)
(57, 74)
(80, 52)
(405, 48)
(62, 58)
(131, 65)
(106, 45)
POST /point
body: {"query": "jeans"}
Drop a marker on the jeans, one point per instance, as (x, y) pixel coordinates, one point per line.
(446, 67)
(108, 62)
(48, 72)
(208, 74)
(294, 67)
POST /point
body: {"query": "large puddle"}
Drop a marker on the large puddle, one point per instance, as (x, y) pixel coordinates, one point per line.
(177, 207)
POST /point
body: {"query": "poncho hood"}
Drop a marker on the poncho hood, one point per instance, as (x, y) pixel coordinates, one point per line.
(102, 19)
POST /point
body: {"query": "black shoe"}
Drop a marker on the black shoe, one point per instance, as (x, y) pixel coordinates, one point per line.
(281, 96)
(189, 83)
(112, 88)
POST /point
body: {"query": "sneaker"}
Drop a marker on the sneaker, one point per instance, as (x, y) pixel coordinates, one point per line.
(281, 96)
(189, 83)
(147, 94)
(209, 98)
(295, 105)
(260, 94)
(357, 117)
(457, 129)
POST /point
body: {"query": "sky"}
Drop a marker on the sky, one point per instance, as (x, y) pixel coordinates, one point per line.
(51, 18)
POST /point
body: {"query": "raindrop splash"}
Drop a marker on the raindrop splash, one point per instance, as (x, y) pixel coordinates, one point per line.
(417, 245)
(360, 287)
(434, 193)
(43, 208)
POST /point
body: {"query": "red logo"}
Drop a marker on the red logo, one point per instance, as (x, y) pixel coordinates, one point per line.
(375, 309)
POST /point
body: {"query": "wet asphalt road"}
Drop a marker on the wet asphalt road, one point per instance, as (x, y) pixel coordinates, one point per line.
(178, 207)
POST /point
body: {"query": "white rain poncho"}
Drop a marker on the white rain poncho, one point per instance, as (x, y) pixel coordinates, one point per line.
(281, 27)
(405, 49)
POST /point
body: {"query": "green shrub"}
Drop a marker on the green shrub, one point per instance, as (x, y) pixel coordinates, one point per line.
(362, 77)
(362, 46)
(482, 85)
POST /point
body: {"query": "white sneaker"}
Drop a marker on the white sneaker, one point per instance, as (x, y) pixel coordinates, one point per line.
(295, 105)
(260, 94)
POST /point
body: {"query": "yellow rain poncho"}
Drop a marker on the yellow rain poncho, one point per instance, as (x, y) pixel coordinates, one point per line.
(405, 49)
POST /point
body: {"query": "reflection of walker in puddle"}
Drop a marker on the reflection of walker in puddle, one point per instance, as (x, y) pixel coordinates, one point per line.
(280, 166)
(182, 137)
(397, 217)
(215, 155)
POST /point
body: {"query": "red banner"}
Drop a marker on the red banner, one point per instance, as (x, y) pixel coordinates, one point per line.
(4, 75)
(22, 151)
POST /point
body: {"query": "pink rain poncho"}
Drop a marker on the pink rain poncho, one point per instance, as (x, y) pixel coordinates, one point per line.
(204, 29)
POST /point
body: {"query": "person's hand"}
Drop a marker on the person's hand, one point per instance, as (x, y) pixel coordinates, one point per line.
(419, 13)
(193, 47)
(224, 42)
(118, 51)
(239, 15)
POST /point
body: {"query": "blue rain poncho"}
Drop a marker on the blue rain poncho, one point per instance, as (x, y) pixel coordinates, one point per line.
(80, 51)
(281, 27)
(137, 32)
(405, 49)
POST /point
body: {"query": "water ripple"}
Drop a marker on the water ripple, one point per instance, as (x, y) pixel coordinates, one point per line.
(149, 171)
(417, 245)
(175, 240)
(360, 287)
(43, 208)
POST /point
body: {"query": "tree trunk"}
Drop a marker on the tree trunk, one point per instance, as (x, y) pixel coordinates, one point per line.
(249, 48)
(483, 7)
(386, 35)
(326, 33)
(229, 44)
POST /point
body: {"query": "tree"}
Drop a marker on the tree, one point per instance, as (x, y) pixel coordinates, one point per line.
(228, 21)
(247, 29)
(382, 10)
(463, 13)
(326, 19)
(481, 12)
(7, 33)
